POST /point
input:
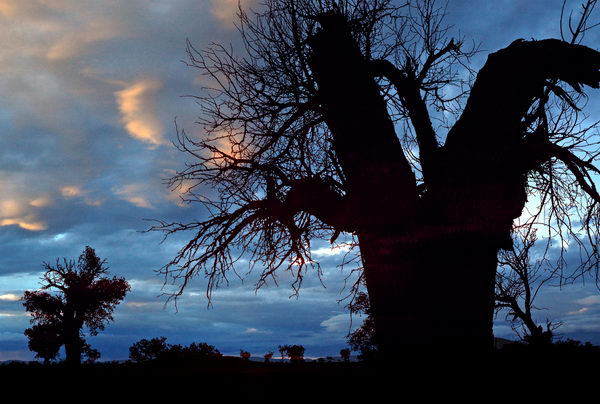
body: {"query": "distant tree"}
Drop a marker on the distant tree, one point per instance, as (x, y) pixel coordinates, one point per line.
(268, 356)
(157, 349)
(201, 350)
(245, 355)
(148, 349)
(85, 297)
(282, 351)
(345, 354)
(294, 352)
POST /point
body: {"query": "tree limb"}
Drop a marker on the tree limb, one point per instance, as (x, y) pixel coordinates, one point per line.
(408, 89)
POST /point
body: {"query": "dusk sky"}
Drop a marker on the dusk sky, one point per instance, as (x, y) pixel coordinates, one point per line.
(90, 90)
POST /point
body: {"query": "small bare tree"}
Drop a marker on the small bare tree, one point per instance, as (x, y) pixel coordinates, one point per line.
(518, 281)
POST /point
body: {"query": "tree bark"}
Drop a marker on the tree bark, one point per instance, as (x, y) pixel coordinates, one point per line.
(430, 260)
(434, 292)
(71, 329)
(430, 279)
(72, 345)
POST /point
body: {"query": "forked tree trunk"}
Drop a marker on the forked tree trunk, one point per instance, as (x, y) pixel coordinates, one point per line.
(430, 259)
(430, 283)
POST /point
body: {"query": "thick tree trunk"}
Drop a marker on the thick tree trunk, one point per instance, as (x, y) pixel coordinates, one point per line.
(430, 259)
(434, 292)
(72, 346)
(431, 282)
(71, 338)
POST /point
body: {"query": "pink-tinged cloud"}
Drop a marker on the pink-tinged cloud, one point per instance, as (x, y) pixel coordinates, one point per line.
(587, 301)
(225, 11)
(16, 211)
(580, 311)
(138, 112)
(134, 194)
(75, 191)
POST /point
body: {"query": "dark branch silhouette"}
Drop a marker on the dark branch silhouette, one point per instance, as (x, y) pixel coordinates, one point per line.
(518, 283)
(325, 127)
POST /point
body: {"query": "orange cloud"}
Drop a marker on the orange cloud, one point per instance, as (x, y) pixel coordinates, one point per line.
(71, 191)
(133, 193)
(138, 113)
(178, 193)
(17, 212)
(226, 10)
(24, 224)
(41, 201)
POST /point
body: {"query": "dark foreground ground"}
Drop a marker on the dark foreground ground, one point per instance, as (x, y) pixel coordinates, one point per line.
(430, 373)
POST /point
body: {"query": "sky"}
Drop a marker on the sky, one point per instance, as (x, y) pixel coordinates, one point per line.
(90, 91)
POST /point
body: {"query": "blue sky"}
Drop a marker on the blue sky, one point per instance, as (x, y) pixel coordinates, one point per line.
(90, 90)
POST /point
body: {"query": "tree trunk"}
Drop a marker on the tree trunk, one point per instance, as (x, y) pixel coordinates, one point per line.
(434, 292)
(429, 278)
(72, 339)
(73, 347)
(430, 257)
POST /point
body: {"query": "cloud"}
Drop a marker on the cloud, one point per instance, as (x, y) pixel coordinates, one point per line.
(225, 11)
(330, 251)
(253, 330)
(41, 202)
(338, 323)
(580, 311)
(10, 297)
(133, 193)
(180, 193)
(142, 305)
(587, 301)
(138, 113)
(71, 191)
(75, 191)
(17, 211)
(69, 45)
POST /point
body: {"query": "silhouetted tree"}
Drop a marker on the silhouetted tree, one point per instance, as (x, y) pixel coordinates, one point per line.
(157, 349)
(88, 353)
(268, 356)
(85, 297)
(245, 355)
(294, 352)
(202, 349)
(324, 130)
(345, 354)
(518, 282)
(45, 340)
(282, 351)
(148, 349)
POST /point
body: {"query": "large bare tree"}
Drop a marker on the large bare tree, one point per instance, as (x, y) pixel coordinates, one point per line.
(356, 118)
